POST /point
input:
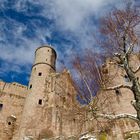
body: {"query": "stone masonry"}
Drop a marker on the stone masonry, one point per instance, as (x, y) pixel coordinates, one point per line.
(48, 108)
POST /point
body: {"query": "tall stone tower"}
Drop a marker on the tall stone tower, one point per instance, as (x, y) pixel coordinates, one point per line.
(44, 64)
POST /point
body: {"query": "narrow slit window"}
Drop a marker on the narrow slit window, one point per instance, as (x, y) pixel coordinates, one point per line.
(40, 102)
(39, 74)
(30, 87)
(1, 106)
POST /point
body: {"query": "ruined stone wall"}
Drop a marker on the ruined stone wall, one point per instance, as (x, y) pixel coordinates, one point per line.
(59, 114)
(48, 108)
(55, 116)
(118, 101)
(12, 98)
(63, 100)
(62, 114)
(14, 88)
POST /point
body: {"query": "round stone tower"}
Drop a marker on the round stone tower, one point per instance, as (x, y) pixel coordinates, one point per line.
(44, 64)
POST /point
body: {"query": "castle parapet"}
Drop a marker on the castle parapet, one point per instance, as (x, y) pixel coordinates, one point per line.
(13, 88)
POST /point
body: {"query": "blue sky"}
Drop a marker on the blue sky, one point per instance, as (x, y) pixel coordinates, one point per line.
(68, 25)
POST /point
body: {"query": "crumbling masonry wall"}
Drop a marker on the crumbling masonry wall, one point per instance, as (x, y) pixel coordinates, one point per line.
(48, 107)
(118, 101)
(12, 98)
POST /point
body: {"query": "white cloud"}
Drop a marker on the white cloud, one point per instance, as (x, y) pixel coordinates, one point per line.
(70, 16)
(72, 13)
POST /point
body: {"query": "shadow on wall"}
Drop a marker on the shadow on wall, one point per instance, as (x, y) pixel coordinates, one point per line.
(45, 134)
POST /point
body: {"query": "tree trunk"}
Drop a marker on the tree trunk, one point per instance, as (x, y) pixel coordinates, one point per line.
(135, 86)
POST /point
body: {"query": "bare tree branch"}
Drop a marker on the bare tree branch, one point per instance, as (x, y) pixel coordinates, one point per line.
(130, 49)
(138, 68)
(121, 39)
(118, 87)
(116, 117)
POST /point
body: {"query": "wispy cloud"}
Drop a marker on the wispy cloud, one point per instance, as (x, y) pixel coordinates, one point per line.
(69, 25)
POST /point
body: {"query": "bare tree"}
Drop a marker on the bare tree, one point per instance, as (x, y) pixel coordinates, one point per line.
(120, 38)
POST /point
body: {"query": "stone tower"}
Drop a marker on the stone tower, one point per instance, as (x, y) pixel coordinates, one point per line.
(44, 64)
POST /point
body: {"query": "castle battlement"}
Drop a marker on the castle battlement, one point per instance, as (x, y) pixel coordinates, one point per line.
(13, 88)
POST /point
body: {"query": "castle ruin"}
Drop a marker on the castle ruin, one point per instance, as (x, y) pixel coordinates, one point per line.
(48, 108)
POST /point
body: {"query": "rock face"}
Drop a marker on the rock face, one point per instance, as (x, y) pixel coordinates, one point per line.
(47, 109)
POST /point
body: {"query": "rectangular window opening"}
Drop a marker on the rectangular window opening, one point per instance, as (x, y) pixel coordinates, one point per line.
(39, 74)
(1, 106)
(30, 87)
(40, 102)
